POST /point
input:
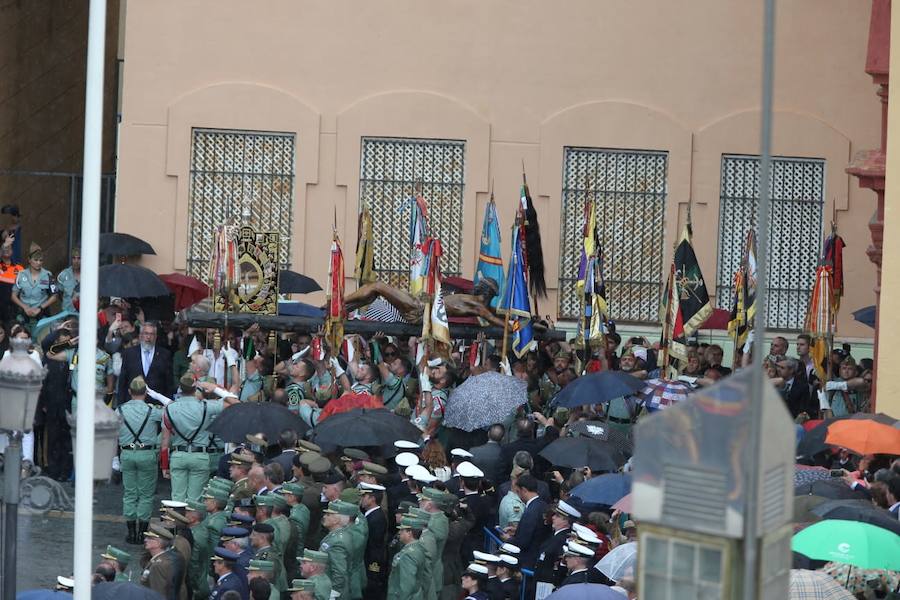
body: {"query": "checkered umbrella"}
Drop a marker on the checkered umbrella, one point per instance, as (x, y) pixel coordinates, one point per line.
(662, 393)
(804, 474)
(814, 585)
(483, 400)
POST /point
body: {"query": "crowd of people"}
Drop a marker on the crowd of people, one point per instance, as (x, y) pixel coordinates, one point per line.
(452, 514)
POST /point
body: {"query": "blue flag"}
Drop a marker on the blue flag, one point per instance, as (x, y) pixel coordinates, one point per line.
(516, 303)
(490, 264)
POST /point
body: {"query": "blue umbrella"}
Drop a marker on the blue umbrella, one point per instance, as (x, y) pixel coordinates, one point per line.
(585, 591)
(866, 316)
(598, 388)
(43, 595)
(604, 489)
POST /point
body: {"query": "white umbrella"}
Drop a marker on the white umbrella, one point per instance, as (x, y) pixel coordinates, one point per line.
(619, 562)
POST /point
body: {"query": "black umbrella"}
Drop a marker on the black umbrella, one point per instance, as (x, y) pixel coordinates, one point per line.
(295, 283)
(130, 281)
(268, 418)
(833, 489)
(577, 452)
(598, 388)
(857, 510)
(364, 427)
(123, 244)
(123, 590)
(878, 418)
(813, 441)
(601, 430)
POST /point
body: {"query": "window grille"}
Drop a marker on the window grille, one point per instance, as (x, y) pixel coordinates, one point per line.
(390, 170)
(676, 568)
(797, 189)
(630, 189)
(240, 177)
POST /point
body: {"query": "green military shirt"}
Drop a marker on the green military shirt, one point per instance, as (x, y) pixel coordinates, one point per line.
(323, 586)
(432, 560)
(282, 534)
(140, 424)
(279, 580)
(393, 391)
(359, 529)
(252, 385)
(102, 369)
(187, 417)
(439, 529)
(198, 569)
(339, 546)
(67, 283)
(33, 292)
(300, 519)
(405, 581)
(215, 523)
(121, 576)
(296, 391)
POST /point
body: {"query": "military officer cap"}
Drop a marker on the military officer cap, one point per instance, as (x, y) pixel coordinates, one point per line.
(476, 570)
(276, 500)
(314, 556)
(467, 469)
(332, 476)
(406, 459)
(75, 252)
(138, 385)
(305, 459)
(241, 518)
(405, 505)
(350, 495)
(302, 585)
(196, 506)
(65, 584)
(120, 556)
(409, 522)
(224, 554)
(263, 528)
(230, 533)
(367, 488)
(483, 558)
(459, 453)
(562, 354)
(174, 504)
(216, 493)
(257, 440)
(433, 494)
(370, 468)
(510, 549)
(320, 466)
(307, 446)
(294, 489)
(567, 510)
(158, 531)
(241, 459)
(419, 473)
(175, 517)
(510, 562)
(576, 549)
(340, 507)
(261, 565)
(351, 454)
(585, 535)
(406, 446)
(221, 480)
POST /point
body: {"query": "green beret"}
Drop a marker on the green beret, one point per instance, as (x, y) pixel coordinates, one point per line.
(295, 489)
(340, 507)
(113, 553)
(412, 523)
(350, 495)
(302, 585)
(261, 565)
(314, 556)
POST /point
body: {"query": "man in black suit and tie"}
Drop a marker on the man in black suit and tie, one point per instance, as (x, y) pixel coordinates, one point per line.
(487, 456)
(547, 568)
(795, 392)
(149, 361)
(531, 530)
(376, 567)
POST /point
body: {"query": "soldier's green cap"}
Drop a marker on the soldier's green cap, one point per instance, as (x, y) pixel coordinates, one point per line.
(295, 489)
(320, 465)
(175, 517)
(405, 505)
(302, 585)
(350, 495)
(314, 556)
(276, 500)
(371, 468)
(216, 493)
(241, 459)
(116, 554)
(261, 565)
(308, 458)
(417, 512)
(158, 531)
(221, 480)
(220, 485)
(352, 454)
(196, 506)
(412, 523)
(307, 446)
(433, 494)
(138, 385)
(340, 507)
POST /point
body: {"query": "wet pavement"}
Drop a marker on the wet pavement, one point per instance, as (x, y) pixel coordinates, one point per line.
(45, 541)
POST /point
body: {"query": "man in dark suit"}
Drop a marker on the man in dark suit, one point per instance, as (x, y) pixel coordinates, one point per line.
(579, 560)
(487, 456)
(371, 495)
(547, 568)
(531, 530)
(795, 393)
(527, 442)
(223, 564)
(149, 361)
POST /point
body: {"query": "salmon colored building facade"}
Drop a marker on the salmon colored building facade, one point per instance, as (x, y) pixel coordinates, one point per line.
(289, 114)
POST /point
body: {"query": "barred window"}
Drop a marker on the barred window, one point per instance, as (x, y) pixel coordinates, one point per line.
(679, 568)
(390, 170)
(240, 177)
(797, 188)
(630, 190)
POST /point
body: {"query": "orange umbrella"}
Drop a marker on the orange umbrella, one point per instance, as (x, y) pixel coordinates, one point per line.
(864, 436)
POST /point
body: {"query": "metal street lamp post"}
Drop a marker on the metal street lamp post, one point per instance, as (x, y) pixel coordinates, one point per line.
(20, 385)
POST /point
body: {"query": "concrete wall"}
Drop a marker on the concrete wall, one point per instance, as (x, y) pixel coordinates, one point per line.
(43, 48)
(518, 80)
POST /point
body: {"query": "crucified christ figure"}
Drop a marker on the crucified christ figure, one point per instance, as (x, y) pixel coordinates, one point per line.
(458, 305)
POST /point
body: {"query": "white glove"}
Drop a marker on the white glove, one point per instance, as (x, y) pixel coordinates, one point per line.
(688, 379)
(424, 383)
(823, 400)
(338, 371)
(157, 396)
(504, 366)
(231, 357)
(748, 345)
(115, 464)
(833, 386)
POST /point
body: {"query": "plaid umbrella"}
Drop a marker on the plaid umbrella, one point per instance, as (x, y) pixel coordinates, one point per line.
(661, 393)
(856, 580)
(804, 474)
(814, 585)
(484, 400)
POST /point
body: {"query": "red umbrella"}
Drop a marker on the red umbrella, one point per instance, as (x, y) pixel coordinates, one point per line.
(348, 402)
(188, 290)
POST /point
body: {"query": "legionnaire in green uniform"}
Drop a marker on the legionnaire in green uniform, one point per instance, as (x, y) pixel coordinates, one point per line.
(407, 567)
(215, 499)
(314, 466)
(68, 281)
(186, 422)
(264, 569)
(339, 545)
(299, 514)
(34, 291)
(314, 568)
(303, 589)
(432, 557)
(119, 559)
(285, 542)
(261, 540)
(139, 458)
(433, 502)
(198, 571)
(359, 529)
